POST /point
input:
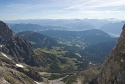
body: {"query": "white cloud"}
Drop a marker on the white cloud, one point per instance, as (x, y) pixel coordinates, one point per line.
(93, 4)
(66, 9)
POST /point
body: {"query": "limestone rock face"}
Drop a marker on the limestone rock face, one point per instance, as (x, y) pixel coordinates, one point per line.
(113, 70)
(14, 51)
(16, 47)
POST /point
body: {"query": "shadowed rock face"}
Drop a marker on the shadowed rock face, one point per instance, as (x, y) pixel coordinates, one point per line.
(16, 47)
(113, 70)
(13, 49)
(13, 45)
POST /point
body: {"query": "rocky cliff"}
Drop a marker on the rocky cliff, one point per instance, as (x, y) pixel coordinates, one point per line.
(16, 55)
(13, 73)
(17, 48)
(113, 70)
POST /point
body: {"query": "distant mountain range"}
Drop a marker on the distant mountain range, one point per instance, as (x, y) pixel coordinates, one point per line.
(110, 26)
(26, 27)
(113, 29)
(88, 37)
(34, 27)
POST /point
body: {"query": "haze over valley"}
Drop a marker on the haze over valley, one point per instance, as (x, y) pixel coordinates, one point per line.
(111, 26)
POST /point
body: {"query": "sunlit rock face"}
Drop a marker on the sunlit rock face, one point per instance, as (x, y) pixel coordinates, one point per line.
(113, 70)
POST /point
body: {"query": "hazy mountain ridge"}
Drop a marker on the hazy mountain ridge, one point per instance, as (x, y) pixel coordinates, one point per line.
(26, 27)
(84, 38)
(34, 27)
(69, 25)
(113, 28)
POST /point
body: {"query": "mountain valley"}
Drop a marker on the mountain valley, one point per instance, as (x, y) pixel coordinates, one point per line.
(57, 56)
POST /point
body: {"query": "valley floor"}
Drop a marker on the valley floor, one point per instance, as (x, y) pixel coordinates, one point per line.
(76, 79)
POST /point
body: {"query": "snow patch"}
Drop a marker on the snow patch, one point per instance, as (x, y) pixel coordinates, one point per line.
(40, 82)
(1, 46)
(122, 60)
(5, 55)
(20, 65)
(90, 62)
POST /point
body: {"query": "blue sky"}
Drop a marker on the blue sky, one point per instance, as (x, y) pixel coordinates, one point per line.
(61, 9)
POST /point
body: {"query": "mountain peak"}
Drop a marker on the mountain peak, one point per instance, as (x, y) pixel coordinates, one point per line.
(3, 25)
(5, 32)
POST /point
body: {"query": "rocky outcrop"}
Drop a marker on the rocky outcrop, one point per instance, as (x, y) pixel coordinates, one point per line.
(10, 75)
(113, 70)
(14, 51)
(31, 73)
(16, 47)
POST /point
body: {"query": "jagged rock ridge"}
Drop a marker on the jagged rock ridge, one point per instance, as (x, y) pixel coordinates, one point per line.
(15, 54)
(20, 50)
(113, 70)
